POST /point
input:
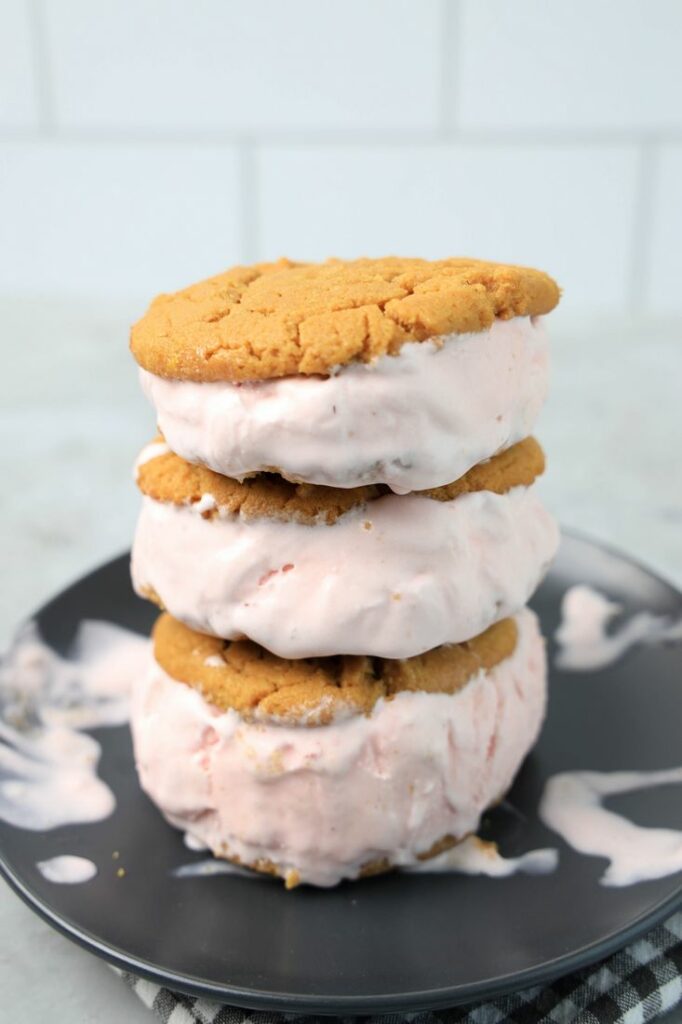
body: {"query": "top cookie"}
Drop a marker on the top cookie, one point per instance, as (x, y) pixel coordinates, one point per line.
(277, 319)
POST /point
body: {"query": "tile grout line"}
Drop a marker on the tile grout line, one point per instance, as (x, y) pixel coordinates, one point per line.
(376, 138)
(450, 55)
(248, 201)
(642, 225)
(41, 66)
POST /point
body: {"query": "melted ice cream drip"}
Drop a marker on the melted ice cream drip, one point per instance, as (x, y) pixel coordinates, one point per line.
(149, 452)
(192, 843)
(213, 866)
(572, 806)
(584, 643)
(474, 856)
(48, 768)
(67, 869)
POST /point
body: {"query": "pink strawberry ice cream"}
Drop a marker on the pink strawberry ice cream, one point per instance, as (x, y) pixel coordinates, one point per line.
(392, 579)
(415, 420)
(322, 802)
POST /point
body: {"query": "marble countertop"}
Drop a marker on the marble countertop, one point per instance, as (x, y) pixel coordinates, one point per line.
(73, 419)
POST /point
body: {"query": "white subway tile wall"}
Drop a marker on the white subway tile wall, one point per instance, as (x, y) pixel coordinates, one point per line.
(585, 65)
(519, 203)
(145, 144)
(663, 284)
(116, 218)
(18, 87)
(264, 65)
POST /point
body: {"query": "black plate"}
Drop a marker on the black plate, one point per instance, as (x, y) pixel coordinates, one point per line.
(393, 942)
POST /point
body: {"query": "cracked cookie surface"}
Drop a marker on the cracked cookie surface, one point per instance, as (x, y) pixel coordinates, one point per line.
(277, 319)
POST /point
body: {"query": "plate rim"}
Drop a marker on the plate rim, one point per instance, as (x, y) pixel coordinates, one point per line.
(430, 999)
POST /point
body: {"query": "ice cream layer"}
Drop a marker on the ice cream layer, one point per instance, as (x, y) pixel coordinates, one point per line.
(415, 420)
(392, 578)
(321, 803)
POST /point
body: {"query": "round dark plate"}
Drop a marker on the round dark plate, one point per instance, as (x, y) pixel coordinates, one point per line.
(393, 942)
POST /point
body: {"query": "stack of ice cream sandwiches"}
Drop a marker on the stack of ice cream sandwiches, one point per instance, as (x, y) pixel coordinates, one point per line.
(340, 525)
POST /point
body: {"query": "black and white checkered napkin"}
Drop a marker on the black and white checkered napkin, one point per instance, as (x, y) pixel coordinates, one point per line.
(634, 985)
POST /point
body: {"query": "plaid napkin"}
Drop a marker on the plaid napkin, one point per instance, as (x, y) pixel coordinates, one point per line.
(632, 986)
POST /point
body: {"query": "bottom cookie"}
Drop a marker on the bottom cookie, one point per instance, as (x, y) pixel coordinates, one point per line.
(376, 867)
(361, 794)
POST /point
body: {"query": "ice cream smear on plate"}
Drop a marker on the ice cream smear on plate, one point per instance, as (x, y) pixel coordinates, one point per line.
(48, 764)
(585, 640)
(571, 805)
(475, 856)
(67, 869)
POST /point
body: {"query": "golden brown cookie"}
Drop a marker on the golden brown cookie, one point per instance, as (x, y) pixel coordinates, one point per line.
(275, 319)
(292, 879)
(247, 678)
(169, 478)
